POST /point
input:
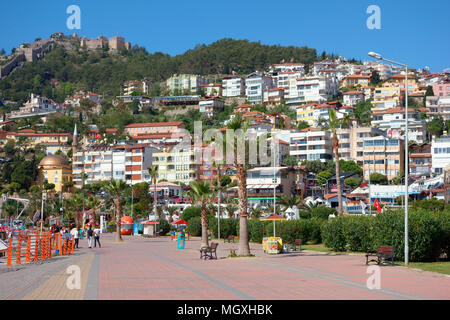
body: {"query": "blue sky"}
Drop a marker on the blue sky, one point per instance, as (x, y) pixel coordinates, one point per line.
(412, 32)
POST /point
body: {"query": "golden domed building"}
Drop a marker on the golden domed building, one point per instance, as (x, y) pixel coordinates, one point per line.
(55, 169)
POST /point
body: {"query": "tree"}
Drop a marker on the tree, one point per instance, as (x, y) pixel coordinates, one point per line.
(290, 160)
(302, 125)
(116, 189)
(314, 166)
(352, 182)
(153, 171)
(334, 125)
(200, 192)
(244, 247)
(290, 201)
(436, 126)
(350, 166)
(378, 178)
(375, 78)
(323, 177)
(363, 111)
(94, 204)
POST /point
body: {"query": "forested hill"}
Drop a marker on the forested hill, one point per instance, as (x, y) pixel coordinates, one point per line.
(61, 72)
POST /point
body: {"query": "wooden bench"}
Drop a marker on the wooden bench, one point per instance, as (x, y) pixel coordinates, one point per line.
(295, 244)
(383, 253)
(207, 252)
(229, 239)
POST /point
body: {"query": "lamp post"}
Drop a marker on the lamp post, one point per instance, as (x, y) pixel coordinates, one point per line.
(379, 57)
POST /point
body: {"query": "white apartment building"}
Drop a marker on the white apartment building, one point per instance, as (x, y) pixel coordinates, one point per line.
(34, 106)
(233, 86)
(386, 71)
(323, 65)
(438, 106)
(287, 81)
(256, 84)
(440, 153)
(314, 89)
(129, 163)
(393, 122)
(351, 98)
(210, 106)
(311, 144)
(143, 86)
(287, 67)
(177, 165)
(185, 83)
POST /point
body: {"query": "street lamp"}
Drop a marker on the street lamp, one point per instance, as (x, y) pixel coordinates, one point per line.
(379, 57)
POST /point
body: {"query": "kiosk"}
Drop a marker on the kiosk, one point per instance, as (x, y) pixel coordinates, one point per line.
(272, 245)
(127, 226)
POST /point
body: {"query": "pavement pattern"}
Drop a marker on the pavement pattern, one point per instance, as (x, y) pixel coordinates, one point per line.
(155, 269)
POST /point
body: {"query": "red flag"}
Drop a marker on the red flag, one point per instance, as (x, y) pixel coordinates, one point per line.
(97, 136)
(376, 204)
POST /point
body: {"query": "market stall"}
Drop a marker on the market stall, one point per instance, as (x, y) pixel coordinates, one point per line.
(181, 225)
(149, 228)
(274, 244)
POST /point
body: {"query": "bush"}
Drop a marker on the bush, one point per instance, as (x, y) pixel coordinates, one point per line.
(190, 212)
(305, 229)
(227, 227)
(429, 233)
(164, 226)
(322, 212)
(195, 227)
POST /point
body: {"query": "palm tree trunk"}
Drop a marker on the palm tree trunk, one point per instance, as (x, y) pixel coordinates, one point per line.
(118, 219)
(155, 200)
(204, 242)
(244, 247)
(338, 172)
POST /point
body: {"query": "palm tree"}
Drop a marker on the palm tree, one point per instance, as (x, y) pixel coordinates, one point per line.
(231, 209)
(116, 189)
(256, 212)
(153, 171)
(334, 125)
(94, 204)
(244, 247)
(200, 192)
(291, 201)
(74, 204)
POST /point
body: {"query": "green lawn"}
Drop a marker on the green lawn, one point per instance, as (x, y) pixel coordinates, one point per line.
(440, 267)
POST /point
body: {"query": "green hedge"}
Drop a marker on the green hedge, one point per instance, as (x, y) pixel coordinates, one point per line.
(429, 233)
(305, 229)
(227, 227)
(164, 226)
(195, 227)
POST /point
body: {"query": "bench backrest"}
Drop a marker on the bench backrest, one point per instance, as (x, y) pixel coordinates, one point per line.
(385, 249)
(213, 245)
(298, 241)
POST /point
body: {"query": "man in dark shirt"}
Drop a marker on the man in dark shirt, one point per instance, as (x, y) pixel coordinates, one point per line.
(90, 233)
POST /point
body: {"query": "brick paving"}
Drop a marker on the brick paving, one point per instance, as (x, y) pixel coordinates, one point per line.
(141, 268)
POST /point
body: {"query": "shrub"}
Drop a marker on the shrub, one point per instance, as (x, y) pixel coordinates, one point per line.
(429, 233)
(322, 212)
(227, 227)
(195, 227)
(190, 212)
(333, 235)
(164, 226)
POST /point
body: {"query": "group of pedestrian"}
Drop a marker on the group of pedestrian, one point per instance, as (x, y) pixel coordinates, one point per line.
(78, 233)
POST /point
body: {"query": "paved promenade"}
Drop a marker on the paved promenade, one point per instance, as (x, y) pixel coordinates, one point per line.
(142, 268)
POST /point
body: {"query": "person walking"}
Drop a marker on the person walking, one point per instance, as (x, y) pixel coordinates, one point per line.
(89, 236)
(75, 233)
(97, 238)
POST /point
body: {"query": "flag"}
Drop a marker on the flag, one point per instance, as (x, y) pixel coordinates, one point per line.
(376, 204)
(363, 184)
(97, 136)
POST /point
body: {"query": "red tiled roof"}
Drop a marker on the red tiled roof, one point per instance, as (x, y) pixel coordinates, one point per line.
(154, 124)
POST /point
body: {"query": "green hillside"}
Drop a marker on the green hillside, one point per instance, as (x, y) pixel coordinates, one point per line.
(61, 72)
